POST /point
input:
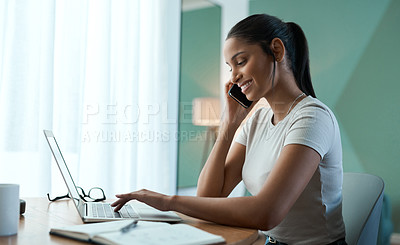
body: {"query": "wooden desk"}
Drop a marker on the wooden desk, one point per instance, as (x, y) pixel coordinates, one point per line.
(41, 216)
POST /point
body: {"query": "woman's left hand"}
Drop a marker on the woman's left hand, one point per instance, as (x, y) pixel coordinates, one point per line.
(154, 199)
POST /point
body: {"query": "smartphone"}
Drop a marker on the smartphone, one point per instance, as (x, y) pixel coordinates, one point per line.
(236, 93)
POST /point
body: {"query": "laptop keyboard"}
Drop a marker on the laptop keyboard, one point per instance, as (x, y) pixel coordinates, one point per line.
(104, 210)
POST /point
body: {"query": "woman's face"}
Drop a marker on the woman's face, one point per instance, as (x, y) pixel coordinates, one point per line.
(251, 68)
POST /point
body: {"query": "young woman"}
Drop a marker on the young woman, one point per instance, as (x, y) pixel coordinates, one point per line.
(289, 156)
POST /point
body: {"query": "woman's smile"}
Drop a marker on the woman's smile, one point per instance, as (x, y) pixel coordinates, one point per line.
(245, 85)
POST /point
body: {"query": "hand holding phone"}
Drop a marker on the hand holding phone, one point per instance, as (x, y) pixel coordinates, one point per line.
(236, 93)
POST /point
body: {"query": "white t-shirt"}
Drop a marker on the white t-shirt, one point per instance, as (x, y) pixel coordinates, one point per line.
(316, 216)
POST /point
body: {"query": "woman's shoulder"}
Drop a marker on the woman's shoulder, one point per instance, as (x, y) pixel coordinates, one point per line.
(259, 117)
(261, 112)
(313, 107)
(310, 103)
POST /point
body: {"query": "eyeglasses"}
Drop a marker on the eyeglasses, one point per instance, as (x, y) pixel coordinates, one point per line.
(95, 194)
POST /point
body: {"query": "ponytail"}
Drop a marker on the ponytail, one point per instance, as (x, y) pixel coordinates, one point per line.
(300, 59)
(262, 28)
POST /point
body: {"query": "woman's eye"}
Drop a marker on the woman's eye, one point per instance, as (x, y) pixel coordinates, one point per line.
(242, 62)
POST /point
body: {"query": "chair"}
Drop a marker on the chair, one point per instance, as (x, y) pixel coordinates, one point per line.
(362, 205)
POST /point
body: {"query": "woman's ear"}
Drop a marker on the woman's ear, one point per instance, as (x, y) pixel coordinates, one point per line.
(278, 48)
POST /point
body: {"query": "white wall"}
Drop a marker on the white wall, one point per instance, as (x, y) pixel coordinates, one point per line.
(232, 11)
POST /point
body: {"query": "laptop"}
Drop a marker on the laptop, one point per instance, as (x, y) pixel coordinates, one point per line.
(100, 211)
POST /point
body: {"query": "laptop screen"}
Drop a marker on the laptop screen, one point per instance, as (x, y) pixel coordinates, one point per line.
(64, 169)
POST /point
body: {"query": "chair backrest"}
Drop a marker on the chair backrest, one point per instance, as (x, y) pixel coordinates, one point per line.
(362, 205)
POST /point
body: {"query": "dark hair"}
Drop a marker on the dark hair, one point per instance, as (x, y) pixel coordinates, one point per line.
(262, 28)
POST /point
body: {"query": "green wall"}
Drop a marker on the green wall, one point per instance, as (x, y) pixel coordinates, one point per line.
(354, 53)
(200, 67)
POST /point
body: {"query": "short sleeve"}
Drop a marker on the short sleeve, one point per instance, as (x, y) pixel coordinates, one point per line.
(313, 126)
(242, 135)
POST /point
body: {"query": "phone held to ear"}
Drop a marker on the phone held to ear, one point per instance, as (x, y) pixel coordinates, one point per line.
(236, 93)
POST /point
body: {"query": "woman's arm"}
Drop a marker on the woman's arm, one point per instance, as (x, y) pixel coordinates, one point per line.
(287, 180)
(222, 171)
(223, 168)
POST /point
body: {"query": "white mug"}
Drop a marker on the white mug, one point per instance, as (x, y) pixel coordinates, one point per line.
(9, 209)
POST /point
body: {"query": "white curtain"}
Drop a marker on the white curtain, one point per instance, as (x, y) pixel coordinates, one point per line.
(103, 75)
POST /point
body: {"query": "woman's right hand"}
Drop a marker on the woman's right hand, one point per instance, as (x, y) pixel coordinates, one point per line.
(233, 113)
